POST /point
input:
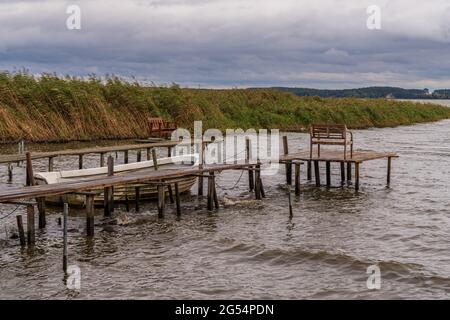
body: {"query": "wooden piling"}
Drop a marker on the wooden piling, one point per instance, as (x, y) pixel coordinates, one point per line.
(342, 172)
(308, 171)
(328, 173)
(349, 171)
(288, 164)
(102, 159)
(137, 198)
(297, 178)
(389, 166)
(169, 188)
(21, 231)
(149, 154)
(80, 161)
(42, 212)
(317, 173)
(30, 225)
(261, 187)
(10, 172)
(258, 182)
(139, 156)
(65, 251)
(29, 171)
(108, 200)
(155, 160)
(214, 191)
(169, 151)
(90, 215)
(251, 183)
(356, 176)
(125, 157)
(290, 201)
(50, 164)
(177, 198)
(161, 200)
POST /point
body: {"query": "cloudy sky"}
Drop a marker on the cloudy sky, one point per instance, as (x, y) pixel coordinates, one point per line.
(233, 43)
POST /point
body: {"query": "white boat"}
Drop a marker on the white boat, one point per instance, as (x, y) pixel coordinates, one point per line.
(121, 193)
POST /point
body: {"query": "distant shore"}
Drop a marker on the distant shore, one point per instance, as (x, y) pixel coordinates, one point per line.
(58, 110)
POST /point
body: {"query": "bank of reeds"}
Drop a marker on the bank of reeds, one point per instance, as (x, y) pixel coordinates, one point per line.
(49, 108)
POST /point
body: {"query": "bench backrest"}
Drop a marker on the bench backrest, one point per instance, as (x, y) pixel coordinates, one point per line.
(156, 122)
(328, 131)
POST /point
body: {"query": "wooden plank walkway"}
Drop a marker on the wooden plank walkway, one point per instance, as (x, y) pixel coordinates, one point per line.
(338, 156)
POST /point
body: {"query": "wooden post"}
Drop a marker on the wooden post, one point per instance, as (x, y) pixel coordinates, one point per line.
(10, 172)
(21, 231)
(169, 151)
(349, 171)
(80, 161)
(342, 172)
(138, 156)
(125, 156)
(297, 178)
(149, 154)
(161, 200)
(50, 164)
(290, 201)
(90, 215)
(30, 175)
(41, 210)
(251, 182)
(169, 188)
(30, 225)
(288, 165)
(356, 176)
(389, 165)
(108, 200)
(317, 173)
(137, 198)
(65, 254)
(258, 183)
(328, 173)
(177, 198)
(215, 198)
(155, 160)
(261, 187)
(308, 173)
(102, 159)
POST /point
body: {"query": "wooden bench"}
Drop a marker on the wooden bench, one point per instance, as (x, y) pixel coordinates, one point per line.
(161, 127)
(334, 134)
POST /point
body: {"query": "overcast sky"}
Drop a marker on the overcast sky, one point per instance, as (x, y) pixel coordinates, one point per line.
(234, 43)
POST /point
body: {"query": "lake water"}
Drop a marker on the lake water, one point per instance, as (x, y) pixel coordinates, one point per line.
(257, 251)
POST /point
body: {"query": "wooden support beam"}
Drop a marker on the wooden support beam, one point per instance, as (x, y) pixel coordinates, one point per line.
(317, 173)
(90, 215)
(161, 200)
(177, 198)
(21, 231)
(169, 188)
(297, 178)
(80, 161)
(357, 176)
(42, 212)
(389, 169)
(30, 225)
(328, 173)
(137, 198)
(50, 164)
(349, 171)
(288, 164)
(65, 251)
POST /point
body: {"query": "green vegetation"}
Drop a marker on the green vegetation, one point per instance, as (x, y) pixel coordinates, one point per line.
(55, 109)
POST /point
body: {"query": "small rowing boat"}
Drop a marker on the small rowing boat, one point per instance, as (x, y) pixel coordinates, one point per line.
(121, 193)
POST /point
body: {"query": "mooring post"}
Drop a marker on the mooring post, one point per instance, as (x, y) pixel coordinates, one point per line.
(161, 200)
(389, 165)
(288, 164)
(42, 211)
(328, 173)
(21, 231)
(65, 253)
(80, 161)
(357, 176)
(251, 183)
(317, 173)
(349, 171)
(290, 201)
(257, 182)
(297, 178)
(215, 198)
(137, 198)
(138, 156)
(342, 172)
(30, 225)
(50, 164)
(308, 171)
(29, 171)
(210, 194)
(108, 200)
(177, 198)
(90, 215)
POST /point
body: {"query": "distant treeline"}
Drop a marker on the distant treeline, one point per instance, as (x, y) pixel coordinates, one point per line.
(370, 92)
(49, 108)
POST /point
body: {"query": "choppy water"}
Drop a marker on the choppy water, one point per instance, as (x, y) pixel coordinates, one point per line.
(257, 251)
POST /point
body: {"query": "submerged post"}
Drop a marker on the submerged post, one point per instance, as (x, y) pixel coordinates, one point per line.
(137, 197)
(177, 198)
(41, 211)
(50, 164)
(125, 157)
(328, 173)
(80, 161)
(30, 225)
(139, 156)
(21, 231)
(308, 171)
(317, 173)
(288, 164)
(90, 215)
(389, 165)
(65, 253)
(108, 200)
(357, 176)
(30, 176)
(161, 200)
(349, 171)
(251, 183)
(342, 172)
(155, 160)
(297, 178)
(10, 172)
